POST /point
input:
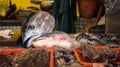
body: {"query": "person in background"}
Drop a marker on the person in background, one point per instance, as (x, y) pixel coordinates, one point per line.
(64, 12)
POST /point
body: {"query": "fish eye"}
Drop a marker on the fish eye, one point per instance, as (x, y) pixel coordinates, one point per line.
(31, 27)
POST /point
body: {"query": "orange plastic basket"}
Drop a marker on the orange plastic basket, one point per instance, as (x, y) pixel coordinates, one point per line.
(85, 63)
(19, 50)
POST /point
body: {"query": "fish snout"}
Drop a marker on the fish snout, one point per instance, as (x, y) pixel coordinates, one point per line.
(28, 36)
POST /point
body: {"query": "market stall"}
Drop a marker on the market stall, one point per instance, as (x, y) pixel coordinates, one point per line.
(38, 43)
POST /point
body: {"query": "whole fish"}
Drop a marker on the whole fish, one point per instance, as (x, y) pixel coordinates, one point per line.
(112, 40)
(37, 24)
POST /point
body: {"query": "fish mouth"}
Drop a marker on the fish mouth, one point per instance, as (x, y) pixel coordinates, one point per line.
(27, 38)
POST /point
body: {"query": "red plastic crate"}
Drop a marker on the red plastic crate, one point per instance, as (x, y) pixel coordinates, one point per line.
(19, 50)
(85, 63)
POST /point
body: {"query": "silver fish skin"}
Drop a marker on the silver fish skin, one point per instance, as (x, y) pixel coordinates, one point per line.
(40, 23)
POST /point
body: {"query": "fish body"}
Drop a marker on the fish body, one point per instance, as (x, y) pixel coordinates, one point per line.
(99, 39)
(54, 39)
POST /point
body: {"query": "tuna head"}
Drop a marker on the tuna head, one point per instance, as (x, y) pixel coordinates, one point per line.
(38, 24)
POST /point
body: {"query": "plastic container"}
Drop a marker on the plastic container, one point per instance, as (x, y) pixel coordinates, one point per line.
(19, 50)
(85, 63)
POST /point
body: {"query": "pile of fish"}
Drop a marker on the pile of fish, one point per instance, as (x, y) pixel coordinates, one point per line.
(97, 54)
(5, 62)
(28, 58)
(111, 64)
(92, 54)
(99, 39)
(65, 58)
